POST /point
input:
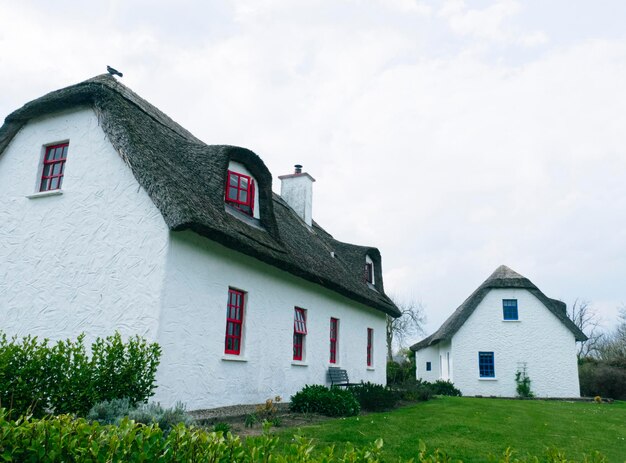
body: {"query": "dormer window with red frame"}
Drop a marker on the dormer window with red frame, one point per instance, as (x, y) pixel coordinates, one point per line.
(240, 192)
(53, 167)
(299, 333)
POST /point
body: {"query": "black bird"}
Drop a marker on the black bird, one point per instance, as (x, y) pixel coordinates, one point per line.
(114, 72)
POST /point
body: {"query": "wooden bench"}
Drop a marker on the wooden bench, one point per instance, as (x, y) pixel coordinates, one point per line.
(339, 377)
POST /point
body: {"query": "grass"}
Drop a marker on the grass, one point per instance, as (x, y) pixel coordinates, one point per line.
(472, 429)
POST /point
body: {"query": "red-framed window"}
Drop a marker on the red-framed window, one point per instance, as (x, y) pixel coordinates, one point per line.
(370, 346)
(53, 167)
(334, 333)
(234, 321)
(369, 272)
(299, 333)
(240, 192)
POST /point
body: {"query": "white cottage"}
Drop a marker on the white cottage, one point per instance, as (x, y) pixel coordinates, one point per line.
(114, 217)
(505, 326)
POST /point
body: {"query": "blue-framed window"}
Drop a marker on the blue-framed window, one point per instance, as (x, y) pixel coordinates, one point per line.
(429, 366)
(509, 309)
(486, 365)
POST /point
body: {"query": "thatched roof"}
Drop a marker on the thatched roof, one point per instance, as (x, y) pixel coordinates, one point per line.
(503, 277)
(185, 179)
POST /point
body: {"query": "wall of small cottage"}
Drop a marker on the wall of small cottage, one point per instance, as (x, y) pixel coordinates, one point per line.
(195, 369)
(440, 358)
(539, 341)
(90, 259)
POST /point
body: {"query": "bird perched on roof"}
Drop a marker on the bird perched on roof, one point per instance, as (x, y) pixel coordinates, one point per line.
(114, 72)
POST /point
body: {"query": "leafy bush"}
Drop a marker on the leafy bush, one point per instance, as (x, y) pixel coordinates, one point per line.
(603, 379)
(221, 427)
(320, 399)
(415, 391)
(523, 384)
(400, 372)
(36, 377)
(58, 439)
(375, 397)
(441, 387)
(110, 411)
(114, 412)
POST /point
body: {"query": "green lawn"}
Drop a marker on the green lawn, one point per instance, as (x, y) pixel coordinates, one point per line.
(472, 429)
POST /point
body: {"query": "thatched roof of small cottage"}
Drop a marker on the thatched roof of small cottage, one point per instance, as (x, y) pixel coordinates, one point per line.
(185, 179)
(503, 277)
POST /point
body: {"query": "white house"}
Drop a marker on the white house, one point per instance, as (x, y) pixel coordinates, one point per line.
(114, 217)
(505, 326)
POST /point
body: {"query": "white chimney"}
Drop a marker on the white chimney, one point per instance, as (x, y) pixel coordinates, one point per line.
(297, 191)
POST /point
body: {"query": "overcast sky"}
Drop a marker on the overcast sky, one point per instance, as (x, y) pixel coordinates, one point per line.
(453, 135)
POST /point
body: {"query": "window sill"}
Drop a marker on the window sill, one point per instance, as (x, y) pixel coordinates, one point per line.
(233, 358)
(487, 379)
(514, 321)
(371, 369)
(297, 363)
(43, 194)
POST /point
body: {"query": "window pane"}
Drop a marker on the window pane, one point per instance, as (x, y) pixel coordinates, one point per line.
(64, 151)
(243, 183)
(50, 154)
(46, 170)
(234, 180)
(232, 193)
(56, 168)
(243, 196)
(54, 183)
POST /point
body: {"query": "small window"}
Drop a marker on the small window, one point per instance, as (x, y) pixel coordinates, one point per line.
(53, 167)
(234, 321)
(509, 309)
(369, 272)
(429, 366)
(370, 347)
(299, 333)
(486, 365)
(334, 332)
(240, 192)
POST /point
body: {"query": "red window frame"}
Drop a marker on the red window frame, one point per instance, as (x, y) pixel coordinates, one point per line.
(299, 332)
(334, 334)
(370, 346)
(369, 272)
(234, 321)
(240, 191)
(53, 167)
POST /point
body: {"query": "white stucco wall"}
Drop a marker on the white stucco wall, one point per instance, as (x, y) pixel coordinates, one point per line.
(88, 260)
(99, 258)
(538, 340)
(195, 369)
(441, 360)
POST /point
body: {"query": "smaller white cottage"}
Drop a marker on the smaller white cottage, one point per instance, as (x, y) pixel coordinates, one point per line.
(505, 326)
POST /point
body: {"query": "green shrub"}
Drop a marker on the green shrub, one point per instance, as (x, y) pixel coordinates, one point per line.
(400, 372)
(110, 411)
(606, 379)
(320, 399)
(415, 391)
(441, 387)
(375, 397)
(221, 427)
(36, 377)
(114, 412)
(523, 384)
(58, 439)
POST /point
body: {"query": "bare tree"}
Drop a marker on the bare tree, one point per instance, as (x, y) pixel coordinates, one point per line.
(409, 324)
(586, 319)
(613, 345)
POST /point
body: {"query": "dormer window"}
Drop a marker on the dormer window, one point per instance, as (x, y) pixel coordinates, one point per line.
(369, 270)
(240, 192)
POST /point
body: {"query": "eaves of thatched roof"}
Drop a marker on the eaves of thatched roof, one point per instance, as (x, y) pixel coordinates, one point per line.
(503, 277)
(185, 179)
